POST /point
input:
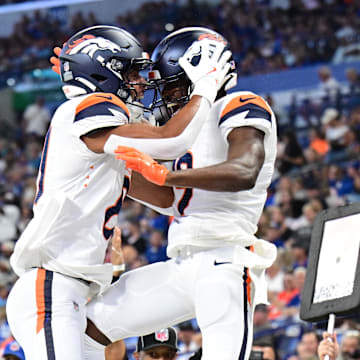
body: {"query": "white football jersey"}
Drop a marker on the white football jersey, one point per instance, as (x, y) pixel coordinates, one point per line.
(209, 219)
(79, 194)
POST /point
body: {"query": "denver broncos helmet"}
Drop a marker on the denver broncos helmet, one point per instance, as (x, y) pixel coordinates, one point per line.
(96, 59)
(166, 71)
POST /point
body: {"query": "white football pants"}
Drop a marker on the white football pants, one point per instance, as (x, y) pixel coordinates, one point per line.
(47, 316)
(205, 285)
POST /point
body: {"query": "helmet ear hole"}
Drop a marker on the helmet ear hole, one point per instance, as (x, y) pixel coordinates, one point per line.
(99, 77)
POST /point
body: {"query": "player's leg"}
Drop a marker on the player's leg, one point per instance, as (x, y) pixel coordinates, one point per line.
(46, 313)
(223, 312)
(142, 301)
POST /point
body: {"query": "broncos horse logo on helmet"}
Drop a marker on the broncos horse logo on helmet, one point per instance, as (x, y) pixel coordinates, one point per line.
(166, 73)
(89, 44)
(98, 58)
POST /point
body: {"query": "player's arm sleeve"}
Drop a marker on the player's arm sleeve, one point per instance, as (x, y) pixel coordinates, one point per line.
(98, 111)
(246, 110)
(164, 148)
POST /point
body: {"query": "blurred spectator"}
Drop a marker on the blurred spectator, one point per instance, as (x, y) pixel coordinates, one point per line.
(348, 49)
(13, 351)
(275, 276)
(350, 345)
(354, 173)
(290, 154)
(307, 347)
(9, 218)
(4, 326)
(262, 351)
(335, 130)
(302, 34)
(278, 221)
(131, 235)
(329, 86)
(161, 344)
(353, 78)
(299, 250)
(351, 141)
(187, 346)
(158, 221)
(156, 250)
(33, 151)
(340, 183)
(287, 298)
(36, 118)
(310, 342)
(318, 143)
(303, 224)
(354, 118)
(282, 122)
(300, 275)
(264, 332)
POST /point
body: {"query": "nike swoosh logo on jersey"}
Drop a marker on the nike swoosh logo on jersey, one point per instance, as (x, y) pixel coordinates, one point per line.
(222, 263)
(247, 99)
(105, 97)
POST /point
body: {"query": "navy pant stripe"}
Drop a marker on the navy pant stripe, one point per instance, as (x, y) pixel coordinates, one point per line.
(48, 312)
(244, 342)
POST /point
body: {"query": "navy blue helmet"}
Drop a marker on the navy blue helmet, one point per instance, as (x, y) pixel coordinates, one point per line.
(97, 58)
(166, 73)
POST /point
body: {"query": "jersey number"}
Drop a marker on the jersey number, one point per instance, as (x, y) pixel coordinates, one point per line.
(185, 162)
(115, 209)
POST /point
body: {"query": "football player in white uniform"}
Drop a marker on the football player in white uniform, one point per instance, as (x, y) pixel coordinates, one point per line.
(218, 189)
(80, 186)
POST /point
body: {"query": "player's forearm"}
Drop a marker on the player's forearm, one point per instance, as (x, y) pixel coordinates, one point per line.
(166, 142)
(230, 176)
(178, 122)
(145, 191)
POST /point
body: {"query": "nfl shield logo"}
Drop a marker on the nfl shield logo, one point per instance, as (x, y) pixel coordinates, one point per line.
(162, 335)
(14, 346)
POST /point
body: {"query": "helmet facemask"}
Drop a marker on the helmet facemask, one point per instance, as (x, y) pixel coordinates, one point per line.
(130, 80)
(170, 95)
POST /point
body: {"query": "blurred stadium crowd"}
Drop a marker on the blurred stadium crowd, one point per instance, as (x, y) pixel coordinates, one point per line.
(318, 165)
(266, 35)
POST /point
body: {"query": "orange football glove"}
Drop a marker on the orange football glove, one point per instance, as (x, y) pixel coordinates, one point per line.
(142, 163)
(55, 60)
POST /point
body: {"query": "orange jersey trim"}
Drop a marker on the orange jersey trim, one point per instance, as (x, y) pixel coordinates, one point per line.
(242, 100)
(94, 99)
(40, 299)
(248, 280)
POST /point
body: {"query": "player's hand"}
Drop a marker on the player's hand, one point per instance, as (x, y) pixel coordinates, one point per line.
(142, 163)
(117, 257)
(55, 61)
(209, 73)
(328, 346)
